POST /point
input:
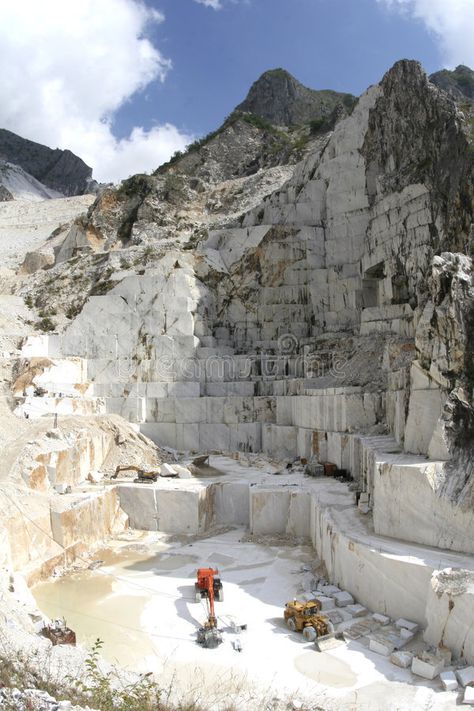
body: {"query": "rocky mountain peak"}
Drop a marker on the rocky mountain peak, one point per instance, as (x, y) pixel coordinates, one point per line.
(281, 99)
(458, 83)
(60, 170)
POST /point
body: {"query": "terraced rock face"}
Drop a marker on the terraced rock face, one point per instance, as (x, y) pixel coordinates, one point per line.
(321, 309)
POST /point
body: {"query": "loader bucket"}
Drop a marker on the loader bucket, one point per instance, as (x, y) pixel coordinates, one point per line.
(210, 638)
(329, 641)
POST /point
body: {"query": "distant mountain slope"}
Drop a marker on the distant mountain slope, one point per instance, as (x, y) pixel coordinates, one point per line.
(18, 184)
(59, 170)
(281, 99)
(459, 83)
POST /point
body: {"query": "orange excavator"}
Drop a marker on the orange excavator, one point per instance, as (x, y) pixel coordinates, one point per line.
(209, 587)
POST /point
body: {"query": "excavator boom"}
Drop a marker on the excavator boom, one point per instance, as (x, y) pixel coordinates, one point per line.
(142, 475)
(210, 587)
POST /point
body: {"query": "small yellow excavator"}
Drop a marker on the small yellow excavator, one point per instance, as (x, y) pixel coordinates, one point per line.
(142, 475)
(305, 617)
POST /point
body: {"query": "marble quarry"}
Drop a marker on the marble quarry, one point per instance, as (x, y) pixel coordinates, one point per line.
(330, 324)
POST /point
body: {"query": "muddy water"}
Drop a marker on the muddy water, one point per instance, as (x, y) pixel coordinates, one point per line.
(95, 606)
(325, 669)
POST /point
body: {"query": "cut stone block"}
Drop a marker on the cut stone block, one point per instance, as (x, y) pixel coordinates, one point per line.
(407, 625)
(327, 603)
(364, 497)
(357, 610)
(465, 676)
(449, 681)
(343, 599)
(381, 619)
(183, 472)
(330, 590)
(429, 667)
(335, 617)
(406, 634)
(360, 629)
(401, 659)
(469, 696)
(397, 641)
(168, 470)
(381, 646)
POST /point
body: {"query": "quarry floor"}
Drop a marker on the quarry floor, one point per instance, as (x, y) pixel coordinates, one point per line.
(140, 602)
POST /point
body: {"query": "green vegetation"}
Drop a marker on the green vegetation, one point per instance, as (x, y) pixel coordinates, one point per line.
(198, 236)
(462, 76)
(97, 688)
(317, 125)
(174, 188)
(29, 301)
(149, 253)
(44, 313)
(106, 691)
(103, 283)
(93, 687)
(301, 143)
(251, 119)
(137, 185)
(45, 324)
(101, 287)
(73, 310)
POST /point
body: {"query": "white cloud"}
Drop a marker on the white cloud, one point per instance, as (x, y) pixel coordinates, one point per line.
(215, 4)
(69, 66)
(452, 21)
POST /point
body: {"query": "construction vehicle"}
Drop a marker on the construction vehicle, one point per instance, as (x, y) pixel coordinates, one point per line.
(142, 475)
(209, 587)
(305, 617)
(59, 633)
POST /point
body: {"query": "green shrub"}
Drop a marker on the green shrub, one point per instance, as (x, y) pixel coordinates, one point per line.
(73, 310)
(101, 287)
(45, 324)
(140, 184)
(97, 688)
(173, 188)
(316, 125)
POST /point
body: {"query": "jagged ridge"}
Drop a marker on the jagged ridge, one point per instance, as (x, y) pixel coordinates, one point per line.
(281, 99)
(58, 169)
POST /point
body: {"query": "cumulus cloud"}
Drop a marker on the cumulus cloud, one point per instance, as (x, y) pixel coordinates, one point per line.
(69, 66)
(450, 20)
(215, 4)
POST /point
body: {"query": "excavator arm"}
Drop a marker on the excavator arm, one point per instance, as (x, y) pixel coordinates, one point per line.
(210, 587)
(142, 475)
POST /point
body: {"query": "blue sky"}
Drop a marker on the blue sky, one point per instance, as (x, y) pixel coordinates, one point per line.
(327, 44)
(126, 83)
